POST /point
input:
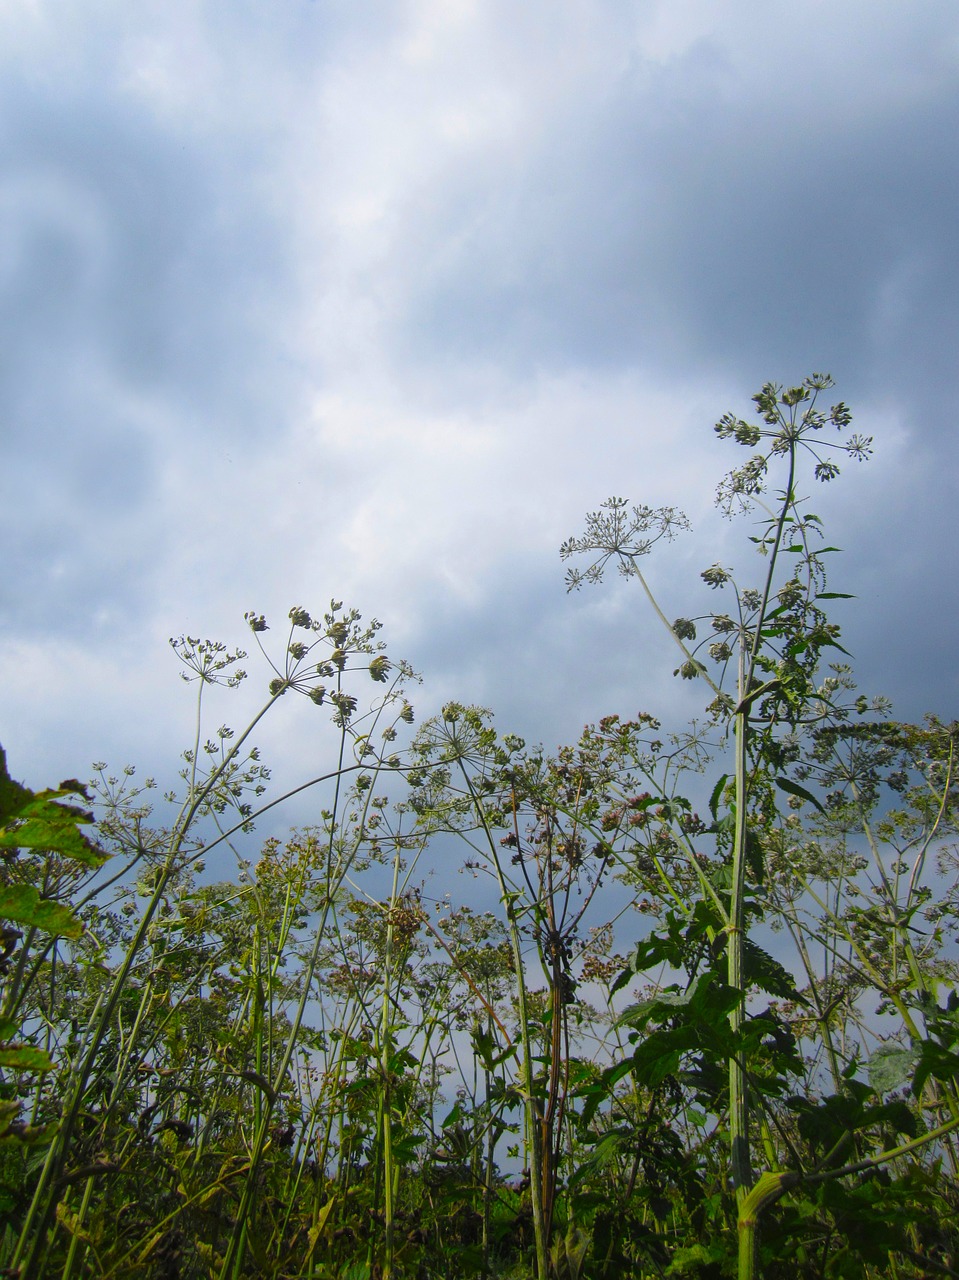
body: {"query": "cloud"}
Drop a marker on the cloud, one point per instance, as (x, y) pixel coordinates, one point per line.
(703, 209)
(303, 301)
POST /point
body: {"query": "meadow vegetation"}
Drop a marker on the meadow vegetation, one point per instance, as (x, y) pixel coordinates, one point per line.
(708, 1026)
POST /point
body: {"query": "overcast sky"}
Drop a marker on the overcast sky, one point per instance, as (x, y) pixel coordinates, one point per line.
(374, 301)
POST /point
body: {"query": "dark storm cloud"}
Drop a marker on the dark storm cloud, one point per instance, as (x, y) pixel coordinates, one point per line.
(688, 216)
(751, 211)
(132, 245)
(300, 300)
(135, 278)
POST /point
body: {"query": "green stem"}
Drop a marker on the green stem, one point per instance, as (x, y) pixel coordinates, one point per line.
(532, 1110)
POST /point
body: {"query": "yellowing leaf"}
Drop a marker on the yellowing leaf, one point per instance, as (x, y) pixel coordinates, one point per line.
(22, 903)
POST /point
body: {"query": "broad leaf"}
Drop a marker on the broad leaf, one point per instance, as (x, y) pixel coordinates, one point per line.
(765, 972)
(22, 903)
(794, 789)
(37, 821)
(890, 1066)
(25, 1057)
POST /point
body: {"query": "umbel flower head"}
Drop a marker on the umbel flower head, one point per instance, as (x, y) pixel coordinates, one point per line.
(791, 422)
(618, 530)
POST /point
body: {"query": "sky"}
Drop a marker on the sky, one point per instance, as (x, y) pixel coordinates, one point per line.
(314, 299)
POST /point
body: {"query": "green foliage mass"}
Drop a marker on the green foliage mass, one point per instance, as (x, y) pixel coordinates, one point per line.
(710, 1029)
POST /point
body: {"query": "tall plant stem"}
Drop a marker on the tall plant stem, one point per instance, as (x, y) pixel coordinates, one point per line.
(31, 1242)
(740, 1163)
(337, 869)
(534, 1116)
(385, 1108)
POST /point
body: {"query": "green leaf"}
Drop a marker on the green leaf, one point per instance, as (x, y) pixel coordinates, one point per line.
(690, 1260)
(24, 1057)
(12, 796)
(22, 903)
(404, 1149)
(608, 1148)
(717, 795)
(834, 644)
(754, 858)
(794, 789)
(455, 1116)
(889, 1067)
(770, 686)
(488, 1051)
(934, 1061)
(37, 821)
(764, 971)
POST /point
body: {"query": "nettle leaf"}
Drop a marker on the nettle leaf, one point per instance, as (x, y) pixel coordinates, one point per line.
(489, 1051)
(755, 859)
(934, 1061)
(899, 1116)
(706, 1003)
(717, 795)
(890, 1066)
(593, 1096)
(22, 903)
(44, 824)
(766, 973)
(31, 820)
(24, 1057)
(823, 1124)
(671, 947)
(794, 789)
(661, 1054)
(404, 1149)
(648, 954)
(455, 1116)
(608, 1148)
(12, 796)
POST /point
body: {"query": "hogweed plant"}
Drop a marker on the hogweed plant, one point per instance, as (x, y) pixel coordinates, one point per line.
(761, 662)
(709, 985)
(222, 781)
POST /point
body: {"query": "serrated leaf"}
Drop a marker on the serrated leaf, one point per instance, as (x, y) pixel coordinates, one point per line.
(794, 789)
(834, 644)
(934, 1061)
(488, 1051)
(765, 972)
(13, 796)
(609, 1146)
(754, 858)
(73, 1223)
(31, 820)
(717, 795)
(321, 1220)
(24, 1057)
(22, 903)
(44, 824)
(9, 1110)
(454, 1117)
(889, 1067)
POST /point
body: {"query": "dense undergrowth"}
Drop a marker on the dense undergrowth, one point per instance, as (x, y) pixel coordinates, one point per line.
(683, 1044)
